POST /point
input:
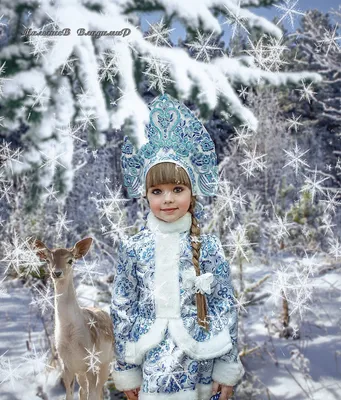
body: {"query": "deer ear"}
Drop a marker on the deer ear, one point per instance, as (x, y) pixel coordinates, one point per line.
(81, 248)
(39, 248)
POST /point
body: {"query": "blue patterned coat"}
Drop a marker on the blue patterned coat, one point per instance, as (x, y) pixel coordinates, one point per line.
(159, 345)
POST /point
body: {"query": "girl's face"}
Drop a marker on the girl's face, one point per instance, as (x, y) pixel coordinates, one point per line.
(168, 196)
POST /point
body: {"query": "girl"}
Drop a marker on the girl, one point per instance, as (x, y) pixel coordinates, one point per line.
(173, 309)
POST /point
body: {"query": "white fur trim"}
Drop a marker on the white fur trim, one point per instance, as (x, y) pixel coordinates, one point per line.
(157, 225)
(167, 288)
(201, 392)
(136, 350)
(128, 379)
(216, 346)
(227, 373)
(167, 309)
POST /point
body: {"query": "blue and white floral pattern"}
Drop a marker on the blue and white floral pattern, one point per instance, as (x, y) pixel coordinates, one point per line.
(134, 312)
(174, 135)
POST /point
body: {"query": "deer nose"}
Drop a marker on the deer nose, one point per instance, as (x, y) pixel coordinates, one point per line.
(56, 274)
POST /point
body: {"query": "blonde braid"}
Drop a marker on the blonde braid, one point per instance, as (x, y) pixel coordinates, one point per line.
(200, 298)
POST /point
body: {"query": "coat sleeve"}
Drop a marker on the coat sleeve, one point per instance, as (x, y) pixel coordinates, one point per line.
(123, 309)
(227, 369)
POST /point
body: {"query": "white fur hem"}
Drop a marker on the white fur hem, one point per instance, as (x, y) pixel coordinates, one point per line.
(227, 373)
(136, 350)
(128, 379)
(216, 346)
(201, 392)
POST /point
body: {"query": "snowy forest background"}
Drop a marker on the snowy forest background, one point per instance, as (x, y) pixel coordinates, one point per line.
(272, 105)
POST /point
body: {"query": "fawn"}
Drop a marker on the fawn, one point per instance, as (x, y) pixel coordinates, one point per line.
(77, 329)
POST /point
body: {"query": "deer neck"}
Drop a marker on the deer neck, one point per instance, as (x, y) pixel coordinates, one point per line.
(66, 304)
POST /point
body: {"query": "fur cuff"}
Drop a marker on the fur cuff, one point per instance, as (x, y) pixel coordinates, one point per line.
(127, 380)
(227, 373)
(201, 392)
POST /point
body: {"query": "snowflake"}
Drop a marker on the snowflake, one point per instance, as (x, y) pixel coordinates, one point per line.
(94, 361)
(295, 158)
(8, 156)
(203, 47)
(307, 92)
(39, 98)
(88, 271)
(84, 97)
(239, 303)
(7, 373)
(236, 19)
(157, 72)
(331, 203)
(242, 92)
(289, 11)
(92, 323)
(126, 93)
(61, 224)
(294, 122)
(331, 39)
(36, 362)
(68, 64)
(241, 135)
(159, 33)
(43, 300)
(167, 365)
(20, 256)
(70, 132)
(5, 191)
(239, 243)
(52, 160)
(50, 193)
(110, 206)
(107, 68)
(267, 56)
(293, 286)
(86, 118)
(311, 185)
(41, 44)
(252, 162)
(335, 248)
(228, 198)
(280, 226)
(327, 224)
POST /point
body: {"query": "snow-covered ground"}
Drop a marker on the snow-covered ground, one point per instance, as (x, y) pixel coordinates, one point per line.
(300, 368)
(305, 367)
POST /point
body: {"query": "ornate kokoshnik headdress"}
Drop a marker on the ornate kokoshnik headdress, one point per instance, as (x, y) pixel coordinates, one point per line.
(174, 135)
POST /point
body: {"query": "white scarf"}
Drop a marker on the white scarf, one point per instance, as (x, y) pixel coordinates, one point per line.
(198, 284)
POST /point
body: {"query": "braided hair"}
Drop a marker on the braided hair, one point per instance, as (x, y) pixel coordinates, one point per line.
(168, 172)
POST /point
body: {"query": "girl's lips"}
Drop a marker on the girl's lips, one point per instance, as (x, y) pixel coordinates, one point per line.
(169, 210)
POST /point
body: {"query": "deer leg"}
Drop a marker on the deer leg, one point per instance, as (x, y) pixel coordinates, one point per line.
(69, 383)
(94, 390)
(83, 387)
(103, 377)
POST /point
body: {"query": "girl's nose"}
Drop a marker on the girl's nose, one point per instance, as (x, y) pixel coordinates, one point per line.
(169, 195)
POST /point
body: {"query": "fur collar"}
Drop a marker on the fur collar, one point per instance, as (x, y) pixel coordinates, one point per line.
(182, 224)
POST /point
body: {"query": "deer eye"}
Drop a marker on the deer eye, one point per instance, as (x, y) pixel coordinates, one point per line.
(70, 262)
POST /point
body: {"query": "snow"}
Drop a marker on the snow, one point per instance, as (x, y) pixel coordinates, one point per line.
(316, 353)
(21, 323)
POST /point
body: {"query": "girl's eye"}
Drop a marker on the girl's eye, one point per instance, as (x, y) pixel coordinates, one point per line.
(70, 262)
(177, 189)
